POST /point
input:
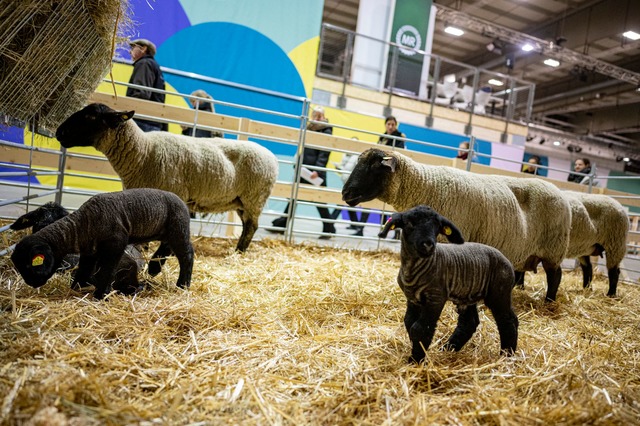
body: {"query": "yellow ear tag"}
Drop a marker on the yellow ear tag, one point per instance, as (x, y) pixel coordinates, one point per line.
(126, 117)
(446, 230)
(37, 260)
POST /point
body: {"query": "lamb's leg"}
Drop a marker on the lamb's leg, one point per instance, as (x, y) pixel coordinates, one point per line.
(614, 274)
(249, 228)
(519, 282)
(158, 259)
(554, 276)
(183, 251)
(86, 267)
(411, 315)
(422, 330)
(108, 255)
(506, 320)
(587, 271)
(468, 322)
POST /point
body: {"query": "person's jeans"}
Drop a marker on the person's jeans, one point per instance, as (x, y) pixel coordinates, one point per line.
(148, 126)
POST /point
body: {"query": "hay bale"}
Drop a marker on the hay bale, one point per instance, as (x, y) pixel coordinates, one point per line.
(299, 334)
(53, 55)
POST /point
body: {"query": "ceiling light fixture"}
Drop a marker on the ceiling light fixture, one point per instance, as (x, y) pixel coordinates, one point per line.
(626, 159)
(495, 82)
(632, 35)
(551, 62)
(527, 47)
(453, 31)
(556, 143)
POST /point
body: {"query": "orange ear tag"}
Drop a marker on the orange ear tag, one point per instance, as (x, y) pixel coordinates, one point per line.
(37, 260)
(446, 230)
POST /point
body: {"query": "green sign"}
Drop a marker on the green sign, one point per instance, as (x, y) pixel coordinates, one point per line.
(409, 32)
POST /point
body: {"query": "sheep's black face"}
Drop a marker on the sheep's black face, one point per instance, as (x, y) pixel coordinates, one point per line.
(369, 177)
(34, 261)
(87, 126)
(421, 226)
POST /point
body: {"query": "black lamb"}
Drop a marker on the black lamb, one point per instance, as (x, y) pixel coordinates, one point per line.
(464, 273)
(126, 275)
(100, 231)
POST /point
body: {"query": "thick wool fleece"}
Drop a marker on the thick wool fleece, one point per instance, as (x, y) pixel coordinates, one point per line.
(523, 218)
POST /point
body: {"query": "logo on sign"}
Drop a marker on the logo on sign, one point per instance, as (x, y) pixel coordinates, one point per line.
(408, 37)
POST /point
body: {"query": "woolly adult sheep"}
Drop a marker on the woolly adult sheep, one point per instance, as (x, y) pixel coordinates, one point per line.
(599, 224)
(209, 174)
(126, 275)
(528, 220)
(100, 231)
(465, 273)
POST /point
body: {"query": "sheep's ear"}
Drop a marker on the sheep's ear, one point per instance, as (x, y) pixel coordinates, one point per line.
(450, 231)
(25, 221)
(389, 161)
(395, 221)
(116, 118)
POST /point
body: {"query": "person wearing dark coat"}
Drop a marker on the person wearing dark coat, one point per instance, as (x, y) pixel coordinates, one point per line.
(201, 105)
(391, 129)
(317, 158)
(146, 72)
(581, 165)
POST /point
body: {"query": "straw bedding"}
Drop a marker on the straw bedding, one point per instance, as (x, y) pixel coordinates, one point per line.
(302, 334)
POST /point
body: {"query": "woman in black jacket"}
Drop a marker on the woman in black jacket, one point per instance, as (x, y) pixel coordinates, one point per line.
(317, 158)
(391, 126)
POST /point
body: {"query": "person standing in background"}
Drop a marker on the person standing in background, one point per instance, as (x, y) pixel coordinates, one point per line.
(581, 165)
(347, 164)
(146, 72)
(201, 105)
(317, 158)
(532, 166)
(391, 129)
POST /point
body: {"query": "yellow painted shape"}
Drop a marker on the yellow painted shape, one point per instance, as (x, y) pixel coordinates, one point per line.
(304, 58)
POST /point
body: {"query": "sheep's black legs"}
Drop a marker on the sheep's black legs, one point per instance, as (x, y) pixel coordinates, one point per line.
(249, 227)
(184, 253)
(86, 267)
(587, 271)
(468, 322)
(158, 259)
(422, 330)
(507, 322)
(614, 274)
(108, 255)
(554, 276)
(519, 282)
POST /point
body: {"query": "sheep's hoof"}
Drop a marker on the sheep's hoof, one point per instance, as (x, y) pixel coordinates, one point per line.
(415, 360)
(611, 295)
(155, 267)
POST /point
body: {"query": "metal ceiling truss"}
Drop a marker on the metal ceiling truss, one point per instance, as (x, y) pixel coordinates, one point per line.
(547, 48)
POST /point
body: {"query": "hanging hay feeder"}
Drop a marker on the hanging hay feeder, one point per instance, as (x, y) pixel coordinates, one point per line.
(53, 55)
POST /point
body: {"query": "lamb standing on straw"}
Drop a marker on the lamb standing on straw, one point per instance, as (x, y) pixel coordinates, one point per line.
(126, 275)
(100, 231)
(465, 273)
(209, 174)
(528, 220)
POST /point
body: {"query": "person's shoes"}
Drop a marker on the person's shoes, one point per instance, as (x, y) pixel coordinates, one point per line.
(279, 223)
(359, 233)
(327, 230)
(354, 227)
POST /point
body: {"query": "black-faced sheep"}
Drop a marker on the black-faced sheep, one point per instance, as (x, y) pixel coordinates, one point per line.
(100, 231)
(209, 174)
(126, 275)
(599, 224)
(430, 274)
(528, 220)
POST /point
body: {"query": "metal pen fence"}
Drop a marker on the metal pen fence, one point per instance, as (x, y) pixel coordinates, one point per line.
(63, 167)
